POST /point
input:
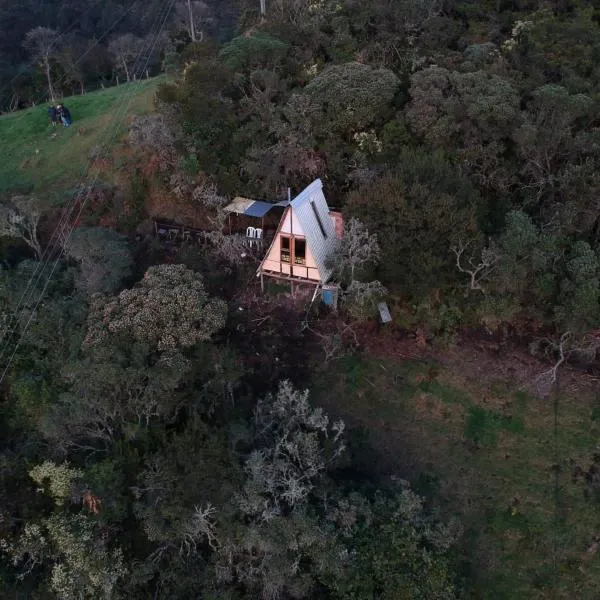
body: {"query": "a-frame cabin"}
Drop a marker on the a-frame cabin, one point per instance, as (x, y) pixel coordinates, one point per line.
(305, 239)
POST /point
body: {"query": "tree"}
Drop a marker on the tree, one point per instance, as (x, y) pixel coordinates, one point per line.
(125, 50)
(41, 311)
(470, 114)
(169, 308)
(249, 52)
(360, 298)
(20, 218)
(418, 215)
(205, 112)
(347, 98)
(277, 544)
(42, 45)
(71, 546)
(152, 134)
(193, 15)
(555, 156)
(104, 258)
(548, 47)
(578, 303)
(114, 393)
(393, 550)
(357, 247)
(291, 453)
(478, 269)
(179, 490)
(71, 60)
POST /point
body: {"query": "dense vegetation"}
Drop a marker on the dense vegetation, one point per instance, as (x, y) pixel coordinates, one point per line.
(78, 45)
(161, 423)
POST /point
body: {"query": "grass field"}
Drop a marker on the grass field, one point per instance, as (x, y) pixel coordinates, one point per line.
(37, 157)
(489, 454)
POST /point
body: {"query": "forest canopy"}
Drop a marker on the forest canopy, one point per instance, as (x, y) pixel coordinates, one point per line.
(164, 425)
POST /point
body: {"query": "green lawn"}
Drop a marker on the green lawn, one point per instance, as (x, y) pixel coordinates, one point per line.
(46, 160)
(487, 453)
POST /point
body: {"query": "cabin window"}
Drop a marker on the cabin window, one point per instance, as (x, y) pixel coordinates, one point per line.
(299, 252)
(285, 249)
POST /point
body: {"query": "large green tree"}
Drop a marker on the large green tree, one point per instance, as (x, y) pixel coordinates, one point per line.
(418, 214)
(168, 309)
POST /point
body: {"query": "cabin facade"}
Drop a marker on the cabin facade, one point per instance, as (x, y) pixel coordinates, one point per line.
(304, 240)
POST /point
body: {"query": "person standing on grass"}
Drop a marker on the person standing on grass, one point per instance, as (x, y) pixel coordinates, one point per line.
(64, 114)
(52, 115)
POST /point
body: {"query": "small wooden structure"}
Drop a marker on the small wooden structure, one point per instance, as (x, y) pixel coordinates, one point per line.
(244, 212)
(304, 241)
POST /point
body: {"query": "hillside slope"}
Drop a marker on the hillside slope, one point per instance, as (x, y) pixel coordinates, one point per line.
(37, 157)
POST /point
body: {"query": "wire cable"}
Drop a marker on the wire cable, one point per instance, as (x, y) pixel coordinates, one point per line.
(82, 203)
(58, 233)
(62, 35)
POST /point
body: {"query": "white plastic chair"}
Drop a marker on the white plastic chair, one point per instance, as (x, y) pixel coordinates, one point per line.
(250, 232)
(259, 232)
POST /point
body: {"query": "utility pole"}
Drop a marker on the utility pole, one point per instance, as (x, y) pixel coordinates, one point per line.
(192, 28)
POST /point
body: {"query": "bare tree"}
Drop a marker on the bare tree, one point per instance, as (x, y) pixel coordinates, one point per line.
(70, 57)
(231, 248)
(125, 50)
(568, 346)
(296, 445)
(19, 218)
(477, 270)
(193, 16)
(361, 298)
(199, 527)
(42, 42)
(357, 247)
(338, 341)
(151, 133)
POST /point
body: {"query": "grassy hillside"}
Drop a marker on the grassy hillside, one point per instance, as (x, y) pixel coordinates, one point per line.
(47, 160)
(492, 454)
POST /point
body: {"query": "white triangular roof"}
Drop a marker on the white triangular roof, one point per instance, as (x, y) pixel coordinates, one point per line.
(318, 230)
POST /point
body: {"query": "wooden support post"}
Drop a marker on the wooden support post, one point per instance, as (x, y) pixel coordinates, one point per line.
(262, 283)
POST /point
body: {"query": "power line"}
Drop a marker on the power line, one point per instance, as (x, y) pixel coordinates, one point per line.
(58, 234)
(60, 36)
(70, 227)
(41, 95)
(65, 222)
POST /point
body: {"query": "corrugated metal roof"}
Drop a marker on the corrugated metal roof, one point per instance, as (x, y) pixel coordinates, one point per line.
(310, 207)
(251, 208)
(258, 209)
